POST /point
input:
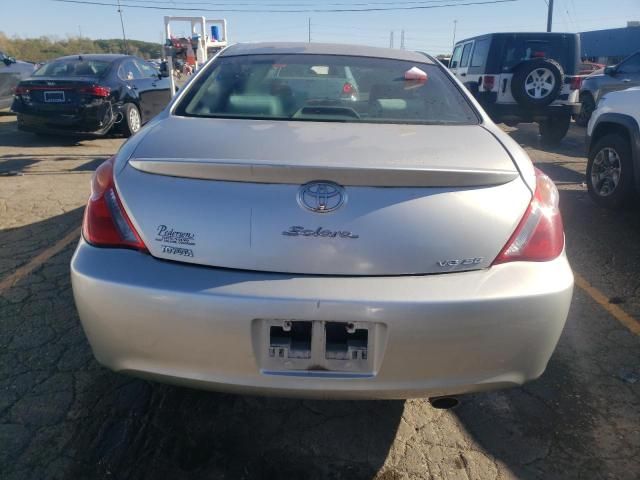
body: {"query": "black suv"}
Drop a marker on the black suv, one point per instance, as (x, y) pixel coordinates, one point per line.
(523, 77)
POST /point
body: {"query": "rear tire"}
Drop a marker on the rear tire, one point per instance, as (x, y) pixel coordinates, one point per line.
(610, 176)
(131, 120)
(588, 106)
(554, 129)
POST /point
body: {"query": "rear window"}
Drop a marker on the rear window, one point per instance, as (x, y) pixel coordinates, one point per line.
(74, 67)
(560, 49)
(326, 88)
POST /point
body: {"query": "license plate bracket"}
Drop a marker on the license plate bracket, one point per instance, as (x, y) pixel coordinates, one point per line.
(318, 347)
(54, 96)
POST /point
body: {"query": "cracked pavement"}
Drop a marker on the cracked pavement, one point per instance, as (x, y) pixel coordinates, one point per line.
(63, 416)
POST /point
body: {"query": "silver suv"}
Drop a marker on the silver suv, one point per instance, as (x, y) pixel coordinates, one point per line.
(11, 72)
(618, 77)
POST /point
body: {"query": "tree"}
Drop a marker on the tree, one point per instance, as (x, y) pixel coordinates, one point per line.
(45, 48)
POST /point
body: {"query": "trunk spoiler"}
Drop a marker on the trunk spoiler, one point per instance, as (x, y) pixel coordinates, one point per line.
(230, 171)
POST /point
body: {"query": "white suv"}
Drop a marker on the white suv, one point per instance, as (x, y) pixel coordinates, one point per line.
(613, 133)
(523, 77)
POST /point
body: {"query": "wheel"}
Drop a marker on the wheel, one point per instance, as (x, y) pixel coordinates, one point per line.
(554, 129)
(536, 83)
(588, 106)
(610, 179)
(131, 121)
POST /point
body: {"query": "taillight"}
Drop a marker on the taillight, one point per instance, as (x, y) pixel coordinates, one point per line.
(105, 221)
(348, 89)
(576, 83)
(20, 90)
(489, 82)
(95, 90)
(540, 234)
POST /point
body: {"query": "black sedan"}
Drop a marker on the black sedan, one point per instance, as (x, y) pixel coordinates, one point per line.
(91, 94)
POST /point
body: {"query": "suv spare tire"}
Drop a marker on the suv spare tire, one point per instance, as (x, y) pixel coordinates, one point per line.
(537, 82)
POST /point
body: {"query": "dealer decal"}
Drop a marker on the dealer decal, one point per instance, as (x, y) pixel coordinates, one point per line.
(169, 235)
(185, 252)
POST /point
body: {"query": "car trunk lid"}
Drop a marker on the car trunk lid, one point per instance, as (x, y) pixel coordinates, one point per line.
(56, 93)
(416, 199)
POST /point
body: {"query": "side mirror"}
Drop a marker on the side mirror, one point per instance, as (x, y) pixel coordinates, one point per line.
(454, 64)
(610, 70)
(163, 70)
(8, 60)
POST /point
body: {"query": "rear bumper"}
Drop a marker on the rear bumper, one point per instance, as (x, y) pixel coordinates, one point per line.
(88, 120)
(441, 334)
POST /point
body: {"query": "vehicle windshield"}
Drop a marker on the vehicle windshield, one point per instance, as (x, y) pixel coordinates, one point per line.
(73, 67)
(327, 88)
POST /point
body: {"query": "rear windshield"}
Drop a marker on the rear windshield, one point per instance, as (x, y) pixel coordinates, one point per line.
(326, 88)
(73, 68)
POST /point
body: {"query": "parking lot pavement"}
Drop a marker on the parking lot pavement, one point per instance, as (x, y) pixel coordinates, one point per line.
(64, 416)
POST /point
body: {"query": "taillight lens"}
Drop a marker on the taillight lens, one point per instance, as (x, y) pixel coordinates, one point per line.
(348, 89)
(20, 90)
(95, 90)
(576, 83)
(489, 82)
(540, 234)
(105, 222)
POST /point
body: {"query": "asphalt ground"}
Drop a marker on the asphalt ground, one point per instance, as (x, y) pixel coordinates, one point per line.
(63, 416)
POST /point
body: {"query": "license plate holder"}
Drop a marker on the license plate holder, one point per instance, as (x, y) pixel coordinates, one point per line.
(318, 347)
(52, 96)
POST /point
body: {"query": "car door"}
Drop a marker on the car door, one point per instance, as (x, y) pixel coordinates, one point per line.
(463, 67)
(8, 80)
(139, 86)
(626, 75)
(156, 88)
(454, 63)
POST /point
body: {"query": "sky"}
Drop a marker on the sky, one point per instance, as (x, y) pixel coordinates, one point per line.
(430, 30)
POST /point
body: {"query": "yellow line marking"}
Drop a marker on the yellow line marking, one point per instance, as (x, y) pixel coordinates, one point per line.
(38, 260)
(600, 298)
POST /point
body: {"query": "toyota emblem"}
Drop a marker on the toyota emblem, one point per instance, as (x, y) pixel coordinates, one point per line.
(321, 197)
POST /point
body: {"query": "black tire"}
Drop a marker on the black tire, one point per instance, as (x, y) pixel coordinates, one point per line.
(554, 129)
(529, 74)
(128, 125)
(611, 196)
(588, 106)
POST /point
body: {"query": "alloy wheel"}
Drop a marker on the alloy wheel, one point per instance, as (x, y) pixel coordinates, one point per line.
(606, 172)
(539, 83)
(134, 120)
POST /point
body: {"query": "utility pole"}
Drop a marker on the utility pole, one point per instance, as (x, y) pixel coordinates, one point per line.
(124, 37)
(309, 29)
(550, 16)
(402, 39)
(391, 39)
(455, 24)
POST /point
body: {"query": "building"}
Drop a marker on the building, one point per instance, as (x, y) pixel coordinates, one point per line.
(611, 46)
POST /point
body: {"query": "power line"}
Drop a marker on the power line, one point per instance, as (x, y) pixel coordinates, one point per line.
(304, 10)
(289, 5)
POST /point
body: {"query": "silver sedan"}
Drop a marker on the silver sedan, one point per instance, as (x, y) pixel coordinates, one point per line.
(325, 221)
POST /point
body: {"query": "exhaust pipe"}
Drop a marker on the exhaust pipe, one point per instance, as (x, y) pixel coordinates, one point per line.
(444, 403)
